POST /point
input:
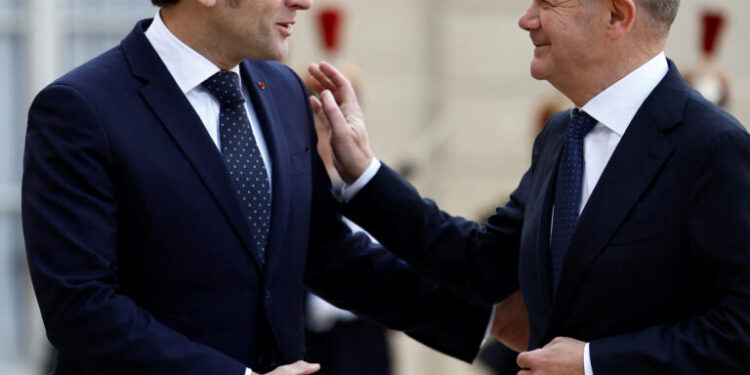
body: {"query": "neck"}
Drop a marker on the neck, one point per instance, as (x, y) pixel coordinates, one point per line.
(618, 64)
(189, 28)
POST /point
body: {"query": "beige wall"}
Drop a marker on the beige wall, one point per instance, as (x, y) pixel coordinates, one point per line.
(460, 67)
(458, 70)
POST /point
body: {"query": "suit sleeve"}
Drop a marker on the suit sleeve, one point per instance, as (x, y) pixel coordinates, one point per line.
(353, 273)
(718, 223)
(480, 263)
(70, 220)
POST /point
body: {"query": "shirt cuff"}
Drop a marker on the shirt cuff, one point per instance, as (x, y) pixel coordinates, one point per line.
(488, 331)
(248, 371)
(587, 369)
(349, 191)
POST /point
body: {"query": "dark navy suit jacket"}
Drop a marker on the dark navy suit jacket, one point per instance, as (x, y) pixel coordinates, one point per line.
(657, 276)
(141, 257)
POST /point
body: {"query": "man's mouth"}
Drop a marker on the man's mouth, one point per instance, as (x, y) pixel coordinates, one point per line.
(539, 40)
(285, 27)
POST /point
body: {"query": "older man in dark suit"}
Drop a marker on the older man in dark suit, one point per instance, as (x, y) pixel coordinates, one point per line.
(629, 235)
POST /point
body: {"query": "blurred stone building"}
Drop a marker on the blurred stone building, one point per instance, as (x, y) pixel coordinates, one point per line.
(446, 88)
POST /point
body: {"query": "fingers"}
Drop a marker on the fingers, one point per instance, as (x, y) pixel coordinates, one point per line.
(325, 76)
(333, 75)
(302, 368)
(334, 115)
(526, 360)
(317, 108)
(315, 104)
(522, 360)
(343, 89)
(318, 80)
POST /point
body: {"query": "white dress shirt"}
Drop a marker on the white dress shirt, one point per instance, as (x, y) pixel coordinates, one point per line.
(614, 108)
(189, 69)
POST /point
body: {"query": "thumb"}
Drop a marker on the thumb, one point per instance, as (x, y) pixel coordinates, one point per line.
(317, 108)
(315, 104)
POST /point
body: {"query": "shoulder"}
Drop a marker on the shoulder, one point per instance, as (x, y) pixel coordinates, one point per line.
(709, 141)
(705, 125)
(97, 74)
(100, 82)
(707, 119)
(685, 116)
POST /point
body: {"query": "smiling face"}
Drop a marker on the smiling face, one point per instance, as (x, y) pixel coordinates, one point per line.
(566, 37)
(254, 29)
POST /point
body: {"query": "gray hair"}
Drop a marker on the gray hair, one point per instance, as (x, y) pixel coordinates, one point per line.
(662, 11)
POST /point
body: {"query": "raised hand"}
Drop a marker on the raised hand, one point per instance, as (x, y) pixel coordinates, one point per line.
(296, 368)
(340, 112)
(511, 324)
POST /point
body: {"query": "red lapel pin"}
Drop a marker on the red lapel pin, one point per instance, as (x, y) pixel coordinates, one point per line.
(262, 85)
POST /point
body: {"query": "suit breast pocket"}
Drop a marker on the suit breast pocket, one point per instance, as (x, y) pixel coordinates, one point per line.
(640, 228)
(300, 162)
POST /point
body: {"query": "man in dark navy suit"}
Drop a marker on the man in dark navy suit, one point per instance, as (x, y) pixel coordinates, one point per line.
(174, 205)
(629, 235)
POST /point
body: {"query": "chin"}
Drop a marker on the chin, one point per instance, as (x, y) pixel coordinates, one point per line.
(537, 71)
(279, 53)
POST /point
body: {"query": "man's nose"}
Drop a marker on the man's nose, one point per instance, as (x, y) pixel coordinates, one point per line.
(299, 4)
(530, 18)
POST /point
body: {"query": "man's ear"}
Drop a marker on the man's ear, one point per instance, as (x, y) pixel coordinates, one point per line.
(622, 18)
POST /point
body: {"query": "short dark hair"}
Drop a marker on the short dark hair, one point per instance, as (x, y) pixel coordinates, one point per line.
(163, 3)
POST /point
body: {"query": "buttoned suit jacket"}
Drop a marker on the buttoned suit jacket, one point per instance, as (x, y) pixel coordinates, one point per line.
(141, 257)
(657, 276)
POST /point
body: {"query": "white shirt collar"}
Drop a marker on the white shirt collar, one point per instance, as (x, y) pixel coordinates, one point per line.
(188, 67)
(616, 106)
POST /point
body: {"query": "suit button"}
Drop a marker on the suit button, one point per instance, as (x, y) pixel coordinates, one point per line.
(268, 294)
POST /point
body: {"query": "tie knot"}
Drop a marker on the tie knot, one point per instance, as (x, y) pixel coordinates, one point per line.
(225, 87)
(580, 124)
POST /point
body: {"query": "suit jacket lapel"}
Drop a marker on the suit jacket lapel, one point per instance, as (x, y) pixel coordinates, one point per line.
(261, 94)
(168, 103)
(640, 155)
(541, 214)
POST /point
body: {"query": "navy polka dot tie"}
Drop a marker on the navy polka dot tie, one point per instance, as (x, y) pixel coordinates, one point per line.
(245, 164)
(568, 190)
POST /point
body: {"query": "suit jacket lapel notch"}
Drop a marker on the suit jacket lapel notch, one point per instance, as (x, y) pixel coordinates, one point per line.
(179, 119)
